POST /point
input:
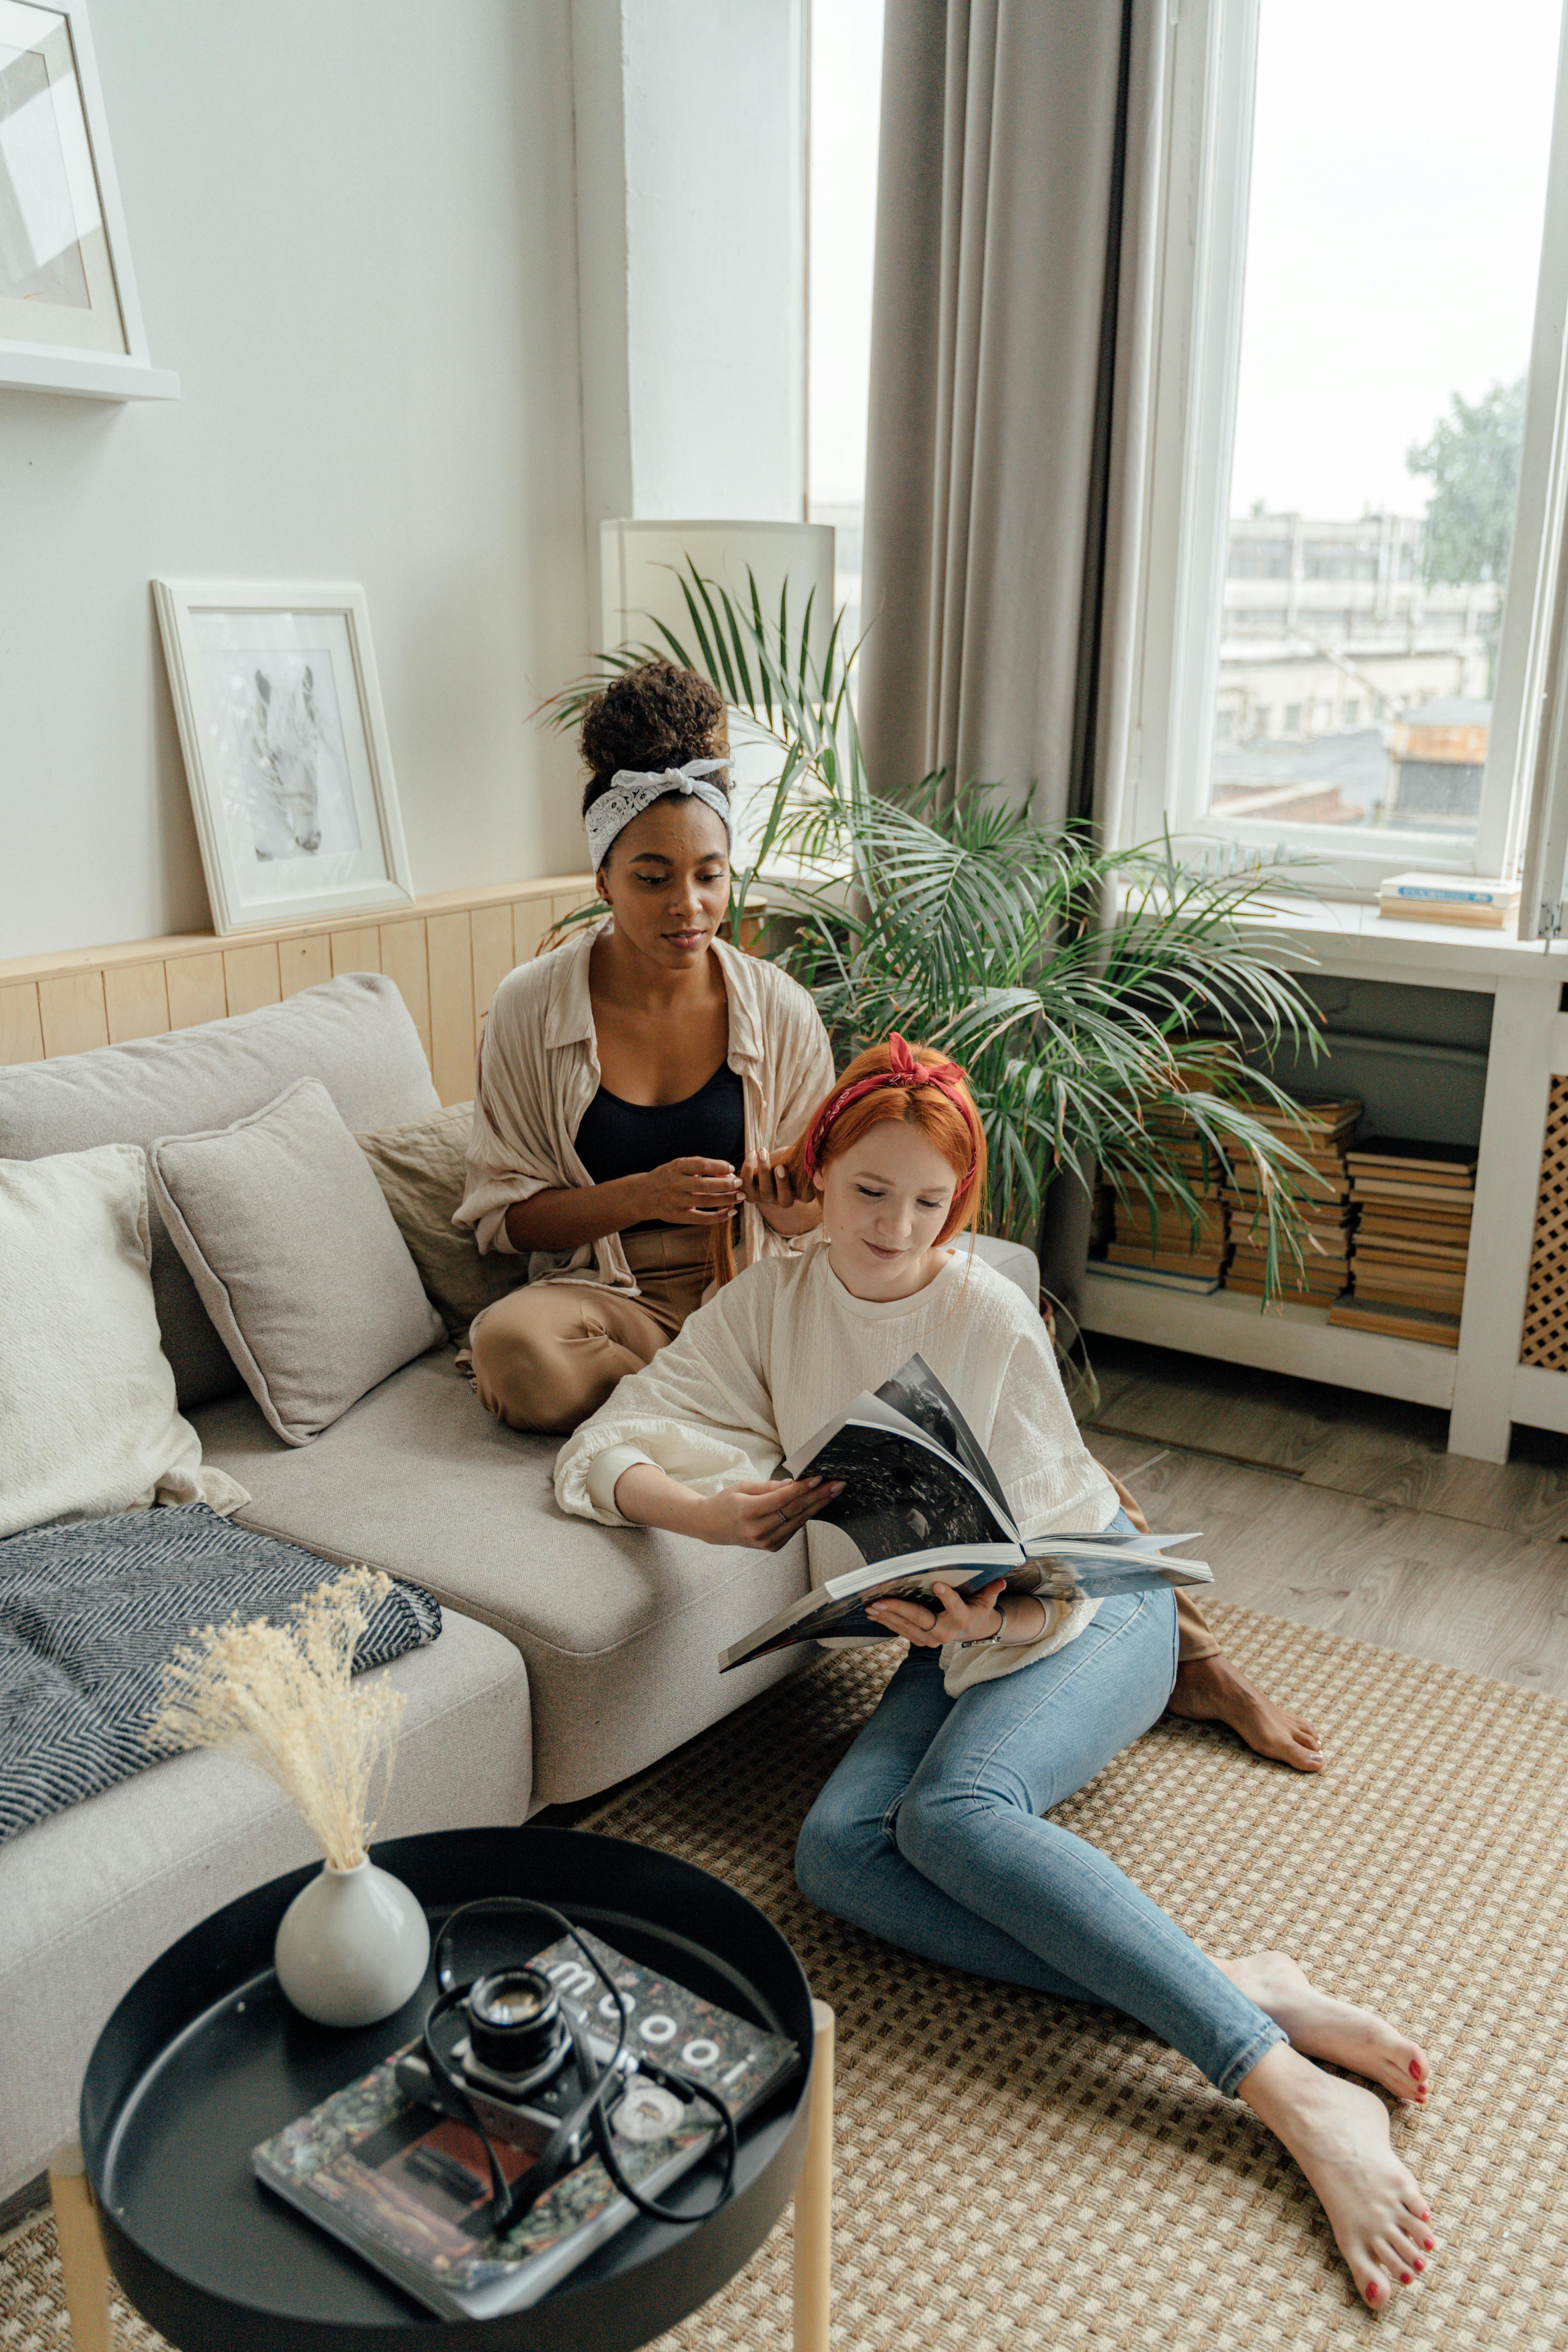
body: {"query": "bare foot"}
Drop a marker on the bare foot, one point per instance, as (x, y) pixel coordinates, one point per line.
(1338, 2134)
(1322, 2027)
(1211, 1690)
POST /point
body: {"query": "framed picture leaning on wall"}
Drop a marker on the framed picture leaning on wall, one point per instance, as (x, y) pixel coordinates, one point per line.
(286, 751)
(69, 319)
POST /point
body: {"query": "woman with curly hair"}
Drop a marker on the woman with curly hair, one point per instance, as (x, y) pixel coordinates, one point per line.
(636, 1086)
(637, 1097)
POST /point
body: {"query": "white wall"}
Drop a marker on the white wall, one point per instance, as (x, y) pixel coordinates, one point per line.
(691, 233)
(354, 236)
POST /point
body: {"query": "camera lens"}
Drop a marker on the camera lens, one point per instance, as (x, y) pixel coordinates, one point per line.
(514, 2020)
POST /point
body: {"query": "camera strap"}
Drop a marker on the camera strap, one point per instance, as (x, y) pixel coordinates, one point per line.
(561, 2151)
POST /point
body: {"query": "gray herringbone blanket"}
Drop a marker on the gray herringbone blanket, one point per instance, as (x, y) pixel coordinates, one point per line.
(91, 1610)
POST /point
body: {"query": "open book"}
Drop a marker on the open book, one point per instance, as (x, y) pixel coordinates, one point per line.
(922, 1505)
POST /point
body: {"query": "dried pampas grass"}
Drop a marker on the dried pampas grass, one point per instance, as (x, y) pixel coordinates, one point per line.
(282, 1697)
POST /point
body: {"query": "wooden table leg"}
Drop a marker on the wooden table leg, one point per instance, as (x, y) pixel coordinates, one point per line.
(83, 2262)
(813, 2199)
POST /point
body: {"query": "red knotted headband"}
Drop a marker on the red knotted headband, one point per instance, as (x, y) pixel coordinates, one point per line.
(903, 1070)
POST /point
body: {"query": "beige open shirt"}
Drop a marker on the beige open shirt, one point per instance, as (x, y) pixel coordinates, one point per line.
(538, 1070)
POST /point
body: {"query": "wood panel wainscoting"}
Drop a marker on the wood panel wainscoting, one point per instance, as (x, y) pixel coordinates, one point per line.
(447, 954)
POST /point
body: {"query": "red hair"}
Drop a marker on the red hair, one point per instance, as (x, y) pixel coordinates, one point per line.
(943, 1109)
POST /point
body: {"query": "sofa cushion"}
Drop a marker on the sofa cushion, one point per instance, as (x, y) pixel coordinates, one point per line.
(423, 1172)
(89, 1897)
(1014, 1259)
(353, 1033)
(621, 1627)
(88, 1425)
(295, 1256)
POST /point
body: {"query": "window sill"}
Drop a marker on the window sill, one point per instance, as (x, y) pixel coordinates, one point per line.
(1350, 865)
(1337, 931)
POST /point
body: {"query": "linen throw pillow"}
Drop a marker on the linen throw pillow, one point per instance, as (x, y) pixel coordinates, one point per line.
(296, 1257)
(421, 1170)
(89, 1422)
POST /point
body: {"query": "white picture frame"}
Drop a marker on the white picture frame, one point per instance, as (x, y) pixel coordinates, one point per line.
(286, 750)
(69, 318)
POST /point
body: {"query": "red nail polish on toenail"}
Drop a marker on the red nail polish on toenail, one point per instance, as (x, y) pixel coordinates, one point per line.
(1431, 2245)
(1371, 2293)
(1405, 2278)
(1416, 2070)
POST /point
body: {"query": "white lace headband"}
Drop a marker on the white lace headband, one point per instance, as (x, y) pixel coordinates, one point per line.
(632, 789)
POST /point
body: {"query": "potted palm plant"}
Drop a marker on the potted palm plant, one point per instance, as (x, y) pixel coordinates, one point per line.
(1104, 1002)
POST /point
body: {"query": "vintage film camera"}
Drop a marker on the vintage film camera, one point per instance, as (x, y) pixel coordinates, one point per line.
(508, 2055)
(509, 2043)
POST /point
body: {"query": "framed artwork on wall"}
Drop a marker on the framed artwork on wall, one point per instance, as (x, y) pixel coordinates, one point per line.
(286, 751)
(69, 319)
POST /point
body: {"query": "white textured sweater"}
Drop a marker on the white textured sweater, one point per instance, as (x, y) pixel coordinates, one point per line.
(756, 1371)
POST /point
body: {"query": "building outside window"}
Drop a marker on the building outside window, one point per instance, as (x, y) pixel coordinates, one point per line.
(1358, 255)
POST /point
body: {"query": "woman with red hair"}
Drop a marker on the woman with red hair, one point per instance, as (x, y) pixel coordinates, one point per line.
(932, 1832)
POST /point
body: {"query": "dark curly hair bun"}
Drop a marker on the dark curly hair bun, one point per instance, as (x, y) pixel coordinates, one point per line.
(655, 716)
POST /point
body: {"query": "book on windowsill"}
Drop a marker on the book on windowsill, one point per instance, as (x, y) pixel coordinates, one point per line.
(406, 2187)
(1395, 1322)
(1448, 898)
(922, 1505)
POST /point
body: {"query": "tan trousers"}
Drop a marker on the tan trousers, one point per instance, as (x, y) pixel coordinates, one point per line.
(548, 1355)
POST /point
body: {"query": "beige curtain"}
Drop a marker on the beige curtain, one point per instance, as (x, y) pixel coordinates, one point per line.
(1011, 375)
(1009, 366)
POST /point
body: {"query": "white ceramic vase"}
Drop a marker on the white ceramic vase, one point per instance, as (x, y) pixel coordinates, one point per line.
(352, 1946)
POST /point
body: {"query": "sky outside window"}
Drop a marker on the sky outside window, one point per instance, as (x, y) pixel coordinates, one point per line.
(1399, 162)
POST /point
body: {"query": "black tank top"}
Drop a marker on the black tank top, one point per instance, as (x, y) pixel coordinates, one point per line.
(621, 1139)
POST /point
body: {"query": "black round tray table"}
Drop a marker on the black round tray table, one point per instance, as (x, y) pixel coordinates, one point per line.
(204, 2058)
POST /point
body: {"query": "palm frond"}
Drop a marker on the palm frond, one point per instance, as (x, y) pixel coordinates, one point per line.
(1105, 1003)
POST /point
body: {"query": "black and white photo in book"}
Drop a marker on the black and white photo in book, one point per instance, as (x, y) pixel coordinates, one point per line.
(915, 1390)
(921, 1503)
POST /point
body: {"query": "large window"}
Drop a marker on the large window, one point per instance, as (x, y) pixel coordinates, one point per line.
(1337, 623)
(845, 104)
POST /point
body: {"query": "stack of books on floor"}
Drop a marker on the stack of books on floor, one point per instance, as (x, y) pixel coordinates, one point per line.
(1158, 1244)
(1320, 1133)
(1412, 1240)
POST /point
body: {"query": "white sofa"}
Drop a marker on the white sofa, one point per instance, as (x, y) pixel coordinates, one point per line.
(572, 1655)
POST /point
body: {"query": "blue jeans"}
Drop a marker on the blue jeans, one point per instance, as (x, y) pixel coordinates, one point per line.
(930, 1835)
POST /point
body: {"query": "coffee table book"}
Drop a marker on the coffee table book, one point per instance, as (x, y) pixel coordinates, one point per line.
(406, 2187)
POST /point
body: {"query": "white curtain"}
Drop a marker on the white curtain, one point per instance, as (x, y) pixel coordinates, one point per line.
(1009, 354)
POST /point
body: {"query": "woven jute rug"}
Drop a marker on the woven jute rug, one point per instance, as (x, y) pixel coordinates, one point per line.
(1016, 2172)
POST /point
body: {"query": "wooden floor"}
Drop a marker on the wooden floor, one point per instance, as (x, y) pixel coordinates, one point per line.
(1343, 1511)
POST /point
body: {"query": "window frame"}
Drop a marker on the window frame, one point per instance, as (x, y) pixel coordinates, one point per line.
(1199, 283)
